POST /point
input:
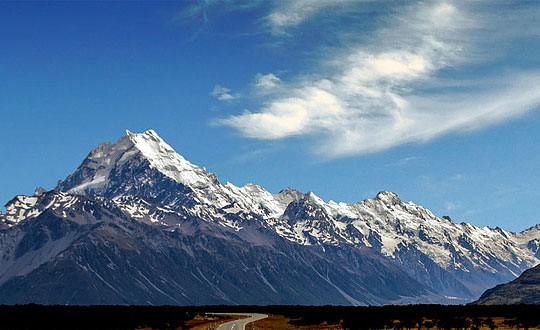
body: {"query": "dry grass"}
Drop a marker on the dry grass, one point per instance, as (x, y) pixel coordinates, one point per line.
(279, 322)
(498, 322)
(203, 322)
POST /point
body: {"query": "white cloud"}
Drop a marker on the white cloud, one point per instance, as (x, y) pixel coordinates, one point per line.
(288, 117)
(375, 95)
(266, 81)
(222, 93)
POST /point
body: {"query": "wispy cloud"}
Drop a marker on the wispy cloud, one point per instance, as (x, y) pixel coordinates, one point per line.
(282, 14)
(252, 155)
(441, 185)
(291, 13)
(199, 9)
(374, 95)
(450, 206)
(222, 93)
(404, 161)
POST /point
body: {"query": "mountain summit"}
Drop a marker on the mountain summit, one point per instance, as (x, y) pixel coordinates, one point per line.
(138, 162)
(136, 223)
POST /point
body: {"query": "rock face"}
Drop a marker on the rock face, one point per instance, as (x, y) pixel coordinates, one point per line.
(136, 223)
(523, 290)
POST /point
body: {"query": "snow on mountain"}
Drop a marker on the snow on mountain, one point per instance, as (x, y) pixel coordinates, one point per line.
(96, 172)
(97, 167)
(140, 170)
(163, 158)
(20, 208)
(384, 220)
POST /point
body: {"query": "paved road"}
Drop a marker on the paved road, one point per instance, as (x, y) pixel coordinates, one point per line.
(241, 324)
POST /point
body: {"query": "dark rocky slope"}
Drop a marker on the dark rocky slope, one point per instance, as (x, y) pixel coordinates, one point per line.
(523, 290)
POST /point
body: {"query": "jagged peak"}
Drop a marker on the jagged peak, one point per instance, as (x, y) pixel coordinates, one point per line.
(534, 228)
(166, 160)
(152, 145)
(311, 197)
(448, 218)
(39, 191)
(150, 133)
(288, 190)
(387, 196)
(93, 174)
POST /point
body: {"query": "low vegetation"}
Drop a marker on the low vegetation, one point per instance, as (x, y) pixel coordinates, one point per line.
(417, 317)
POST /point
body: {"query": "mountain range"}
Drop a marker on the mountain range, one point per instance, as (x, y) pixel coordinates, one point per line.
(136, 223)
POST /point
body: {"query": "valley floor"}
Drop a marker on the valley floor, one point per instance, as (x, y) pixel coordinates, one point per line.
(417, 317)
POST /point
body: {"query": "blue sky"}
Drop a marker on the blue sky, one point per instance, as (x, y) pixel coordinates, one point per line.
(436, 101)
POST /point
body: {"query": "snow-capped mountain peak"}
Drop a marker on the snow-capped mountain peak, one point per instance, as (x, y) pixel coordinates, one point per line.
(387, 197)
(116, 169)
(169, 162)
(96, 172)
(310, 195)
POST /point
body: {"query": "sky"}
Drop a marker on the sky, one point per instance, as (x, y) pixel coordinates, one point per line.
(436, 101)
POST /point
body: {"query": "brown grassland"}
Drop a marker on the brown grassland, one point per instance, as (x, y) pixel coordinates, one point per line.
(408, 317)
(208, 321)
(280, 322)
(204, 322)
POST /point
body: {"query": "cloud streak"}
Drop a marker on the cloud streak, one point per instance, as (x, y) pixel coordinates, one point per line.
(374, 95)
(288, 14)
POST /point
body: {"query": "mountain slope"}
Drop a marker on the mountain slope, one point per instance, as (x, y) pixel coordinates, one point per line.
(65, 256)
(142, 181)
(523, 290)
